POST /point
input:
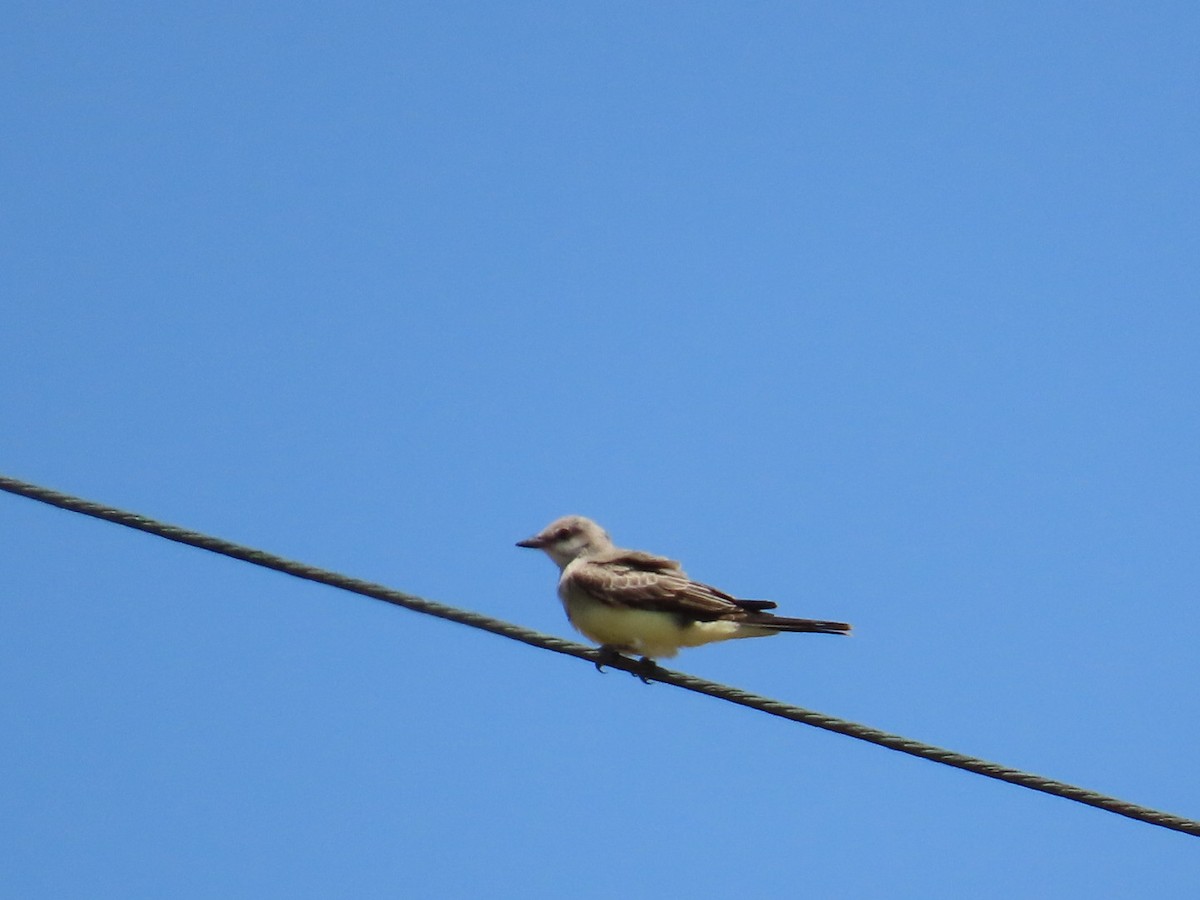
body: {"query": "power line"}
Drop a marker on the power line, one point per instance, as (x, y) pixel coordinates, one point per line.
(558, 645)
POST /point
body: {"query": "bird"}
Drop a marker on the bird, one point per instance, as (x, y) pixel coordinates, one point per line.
(635, 603)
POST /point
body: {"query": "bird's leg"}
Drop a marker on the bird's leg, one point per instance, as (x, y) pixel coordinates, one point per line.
(646, 666)
(608, 655)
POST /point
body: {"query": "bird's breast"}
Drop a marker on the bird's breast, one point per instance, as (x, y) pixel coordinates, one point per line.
(640, 631)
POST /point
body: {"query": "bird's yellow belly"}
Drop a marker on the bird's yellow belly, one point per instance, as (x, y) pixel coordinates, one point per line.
(643, 632)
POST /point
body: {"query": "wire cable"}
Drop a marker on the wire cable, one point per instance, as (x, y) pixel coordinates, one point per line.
(570, 648)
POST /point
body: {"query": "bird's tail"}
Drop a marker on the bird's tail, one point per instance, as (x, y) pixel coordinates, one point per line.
(782, 623)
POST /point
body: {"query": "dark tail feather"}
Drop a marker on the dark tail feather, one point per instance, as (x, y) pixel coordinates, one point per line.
(783, 623)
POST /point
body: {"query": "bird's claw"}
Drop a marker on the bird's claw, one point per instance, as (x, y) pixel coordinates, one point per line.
(647, 667)
(606, 656)
(640, 669)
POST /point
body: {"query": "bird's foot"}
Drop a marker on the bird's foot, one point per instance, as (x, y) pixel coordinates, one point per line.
(606, 656)
(639, 668)
(646, 667)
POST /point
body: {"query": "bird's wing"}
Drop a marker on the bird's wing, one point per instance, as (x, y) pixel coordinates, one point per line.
(636, 559)
(639, 580)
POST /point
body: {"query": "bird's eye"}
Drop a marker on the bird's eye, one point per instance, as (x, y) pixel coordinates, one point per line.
(562, 534)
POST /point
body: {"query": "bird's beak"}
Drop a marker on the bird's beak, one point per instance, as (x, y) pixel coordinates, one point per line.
(533, 543)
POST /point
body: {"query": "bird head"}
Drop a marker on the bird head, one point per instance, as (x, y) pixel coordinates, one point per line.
(568, 538)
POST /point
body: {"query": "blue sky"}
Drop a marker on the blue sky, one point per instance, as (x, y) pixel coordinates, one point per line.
(887, 313)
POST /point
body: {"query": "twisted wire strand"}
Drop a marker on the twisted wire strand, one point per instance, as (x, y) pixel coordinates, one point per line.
(570, 648)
